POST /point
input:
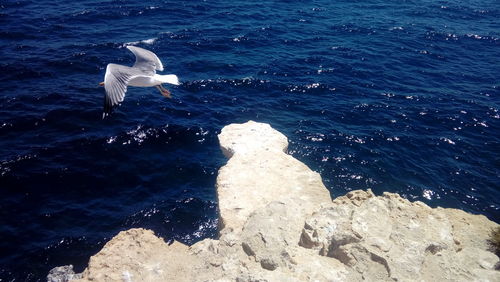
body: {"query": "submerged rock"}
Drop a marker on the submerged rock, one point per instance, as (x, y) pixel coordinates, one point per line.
(280, 224)
(62, 274)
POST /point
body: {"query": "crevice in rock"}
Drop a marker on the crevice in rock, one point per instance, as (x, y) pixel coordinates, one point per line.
(262, 238)
(342, 242)
(382, 261)
(433, 249)
(306, 241)
(268, 264)
(247, 249)
(343, 256)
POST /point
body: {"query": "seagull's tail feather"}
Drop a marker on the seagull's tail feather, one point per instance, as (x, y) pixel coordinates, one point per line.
(169, 78)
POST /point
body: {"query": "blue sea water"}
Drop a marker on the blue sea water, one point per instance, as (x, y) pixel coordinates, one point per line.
(399, 96)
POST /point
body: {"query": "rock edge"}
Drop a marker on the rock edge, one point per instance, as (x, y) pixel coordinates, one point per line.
(278, 223)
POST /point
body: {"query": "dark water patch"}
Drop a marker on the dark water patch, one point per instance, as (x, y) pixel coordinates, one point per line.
(175, 220)
(20, 72)
(56, 185)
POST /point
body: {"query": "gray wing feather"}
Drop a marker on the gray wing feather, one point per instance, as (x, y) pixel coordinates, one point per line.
(115, 83)
(146, 60)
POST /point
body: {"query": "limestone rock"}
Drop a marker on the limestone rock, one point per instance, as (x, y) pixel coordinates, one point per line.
(390, 238)
(265, 194)
(280, 224)
(138, 255)
(251, 137)
(259, 172)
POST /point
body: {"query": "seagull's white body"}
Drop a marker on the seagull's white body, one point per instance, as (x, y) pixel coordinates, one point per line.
(157, 79)
(141, 74)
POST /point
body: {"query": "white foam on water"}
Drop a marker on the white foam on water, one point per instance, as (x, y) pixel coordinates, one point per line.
(449, 141)
(145, 41)
(428, 194)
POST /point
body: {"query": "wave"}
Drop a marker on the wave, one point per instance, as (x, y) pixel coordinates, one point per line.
(149, 41)
(449, 36)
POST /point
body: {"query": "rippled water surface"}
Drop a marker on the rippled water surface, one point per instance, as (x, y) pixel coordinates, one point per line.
(399, 96)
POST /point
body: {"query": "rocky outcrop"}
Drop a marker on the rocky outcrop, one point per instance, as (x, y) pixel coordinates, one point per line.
(278, 223)
(139, 255)
(388, 238)
(259, 172)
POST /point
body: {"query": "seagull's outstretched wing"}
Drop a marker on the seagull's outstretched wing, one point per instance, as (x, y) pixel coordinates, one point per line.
(145, 60)
(115, 83)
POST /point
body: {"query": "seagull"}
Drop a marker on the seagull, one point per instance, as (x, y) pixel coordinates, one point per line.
(141, 74)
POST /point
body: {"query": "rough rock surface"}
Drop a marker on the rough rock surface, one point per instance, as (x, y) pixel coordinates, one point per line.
(62, 274)
(278, 223)
(388, 238)
(138, 255)
(260, 172)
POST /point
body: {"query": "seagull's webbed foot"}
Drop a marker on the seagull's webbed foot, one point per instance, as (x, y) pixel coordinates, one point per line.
(164, 91)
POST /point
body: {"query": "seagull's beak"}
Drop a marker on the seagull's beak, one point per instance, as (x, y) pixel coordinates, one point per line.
(101, 83)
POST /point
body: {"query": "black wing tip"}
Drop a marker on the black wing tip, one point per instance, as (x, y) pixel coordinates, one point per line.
(107, 112)
(108, 107)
